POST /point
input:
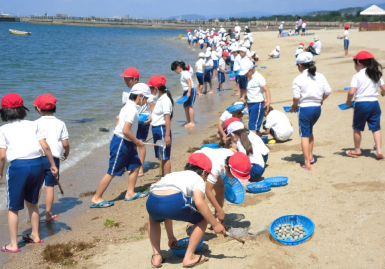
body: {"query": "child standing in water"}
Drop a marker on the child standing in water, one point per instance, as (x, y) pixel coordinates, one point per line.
(188, 90)
(56, 135)
(208, 65)
(200, 71)
(222, 70)
(22, 143)
(161, 120)
(363, 88)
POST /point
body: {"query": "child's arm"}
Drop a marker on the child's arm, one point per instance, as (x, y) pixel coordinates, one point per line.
(48, 154)
(351, 94)
(167, 137)
(221, 131)
(127, 133)
(205, 211)
(382, 87)
(189, 88)
(295, 105)
(3, 155)
(66, 147)
(268, 97)
(152, 109)
(214, 202)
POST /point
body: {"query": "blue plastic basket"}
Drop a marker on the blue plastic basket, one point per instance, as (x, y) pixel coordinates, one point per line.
(265, 138)
(234, 191)
(182, 100)
(185, 241)
(277, 181)
(263, 67)
(347, 88)
(293, 220)
(229, 72)
(233, 108)
(143, 118)
(233, 75)
(212, 146)
(258, 187)
(277, 57)
(284, 34)
(208, 68)
(255, 66)
(344, 106)
(287, 109)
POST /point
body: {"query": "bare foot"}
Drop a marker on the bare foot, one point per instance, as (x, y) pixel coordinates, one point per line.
(190, 125)
(211, 92)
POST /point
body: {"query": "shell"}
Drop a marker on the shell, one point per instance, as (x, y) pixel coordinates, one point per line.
(280, 234)
(296, 237)
(300, 236)
(296, 233)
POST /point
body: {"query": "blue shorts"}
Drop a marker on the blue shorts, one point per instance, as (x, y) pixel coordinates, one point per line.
(191, 100)
(296, 30)
(122, 155)
(303, 30)
(242, 80)
(208, 76)
(256, 171)
(201, 45)
(280, 31)
(159, 132)
(221, 77)
(173, 207)
(237, 79)
(200, 78)
(265, 157)
(256, 115)
(215, 64)
(49, 179)
(346, 44)
(307, 117)
(367, 112)
(24, 180)
(142, 132)
(232, 65)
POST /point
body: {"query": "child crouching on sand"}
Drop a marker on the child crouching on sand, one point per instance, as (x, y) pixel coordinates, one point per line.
(123, 154)
(180, 196)
(56, 135)
(22, 143)
(225, 116)
(277, 125)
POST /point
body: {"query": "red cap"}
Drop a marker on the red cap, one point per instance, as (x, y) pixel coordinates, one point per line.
(302, 44)
(227, 42)
(45, 102)
(130, 72)
(211, 36)
(363, 55)
(304, 21)
(157, 81)
(230, 120)
(201, 160)
(346, 26)
(188, 30)
(188, 67)
(215, 33)
(12, 100)
(240, 165)
(311, 43)
(225, 53)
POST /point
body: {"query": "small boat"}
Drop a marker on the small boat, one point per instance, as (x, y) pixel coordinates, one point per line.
(16, 32)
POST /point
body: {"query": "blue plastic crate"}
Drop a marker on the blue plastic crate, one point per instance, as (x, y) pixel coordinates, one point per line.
(347, 88)
(287, 109)
(293, 220)
(258, 187)
(212, 146)
(237, 107)
(344, 106)
(277, 181)
(182, 100)
(234, 191)
(185, 241)
(143, 118)
(265, 138)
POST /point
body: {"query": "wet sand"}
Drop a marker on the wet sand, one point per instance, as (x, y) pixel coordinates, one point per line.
(342, 195)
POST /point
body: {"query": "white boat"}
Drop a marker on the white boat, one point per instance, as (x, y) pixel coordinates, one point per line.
(16, 32)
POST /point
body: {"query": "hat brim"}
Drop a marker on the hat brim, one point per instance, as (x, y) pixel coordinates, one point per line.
(238, 175)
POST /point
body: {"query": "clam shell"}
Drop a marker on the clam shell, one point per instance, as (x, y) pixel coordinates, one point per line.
(300, 236)
(296, 237)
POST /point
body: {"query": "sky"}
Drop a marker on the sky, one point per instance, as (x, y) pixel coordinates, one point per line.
(167, 8)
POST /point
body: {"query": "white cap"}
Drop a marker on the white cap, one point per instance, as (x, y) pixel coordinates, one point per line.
(141, 88)
(316, 38)
(201, 55)
(283, 22)
(246, 27)
(245, 67)
(278, 48)
(303, 58)
(235, 126)
(233, 40)
(246, 45)
(242, 49)
(222, 43)
(252, 53)
(208, 54)
(208, 49)
(300, 46)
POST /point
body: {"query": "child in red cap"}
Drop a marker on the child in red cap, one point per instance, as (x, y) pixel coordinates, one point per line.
(364, 88)
(238, 114)
(56, 135)
(161, 120)
(181, 196)
(22, 143)
(345, 37)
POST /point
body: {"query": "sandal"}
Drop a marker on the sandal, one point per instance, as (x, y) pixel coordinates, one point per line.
(52, 218)
(196, 263)
(4, 249)
(156, 266)
(380, 157)
(312, 161)
(306, 168)
(28, 239)
(352, 154)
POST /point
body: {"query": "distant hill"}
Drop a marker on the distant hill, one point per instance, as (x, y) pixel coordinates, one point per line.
(248, 14)
(344, 11)
(188, 17)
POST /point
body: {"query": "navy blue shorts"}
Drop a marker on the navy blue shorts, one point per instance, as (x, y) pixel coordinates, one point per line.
(303, 30)
(122, 155)
(221, 77)
(200, 78)
(142, 132)
(24, 180)
(296, 30)
(265, 157)
(232, 65)
(49, 179)
(173, 207)
(215, 64)
(242, 80)
(307, 117)
(256, 115)
(191, 100)
(208, 76)
(159, 132)
(256, 171)
(346, 44)
(367, 112)
(280, 31)
(201, 46)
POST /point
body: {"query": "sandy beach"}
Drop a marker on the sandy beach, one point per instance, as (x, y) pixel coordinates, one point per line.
(342, 195)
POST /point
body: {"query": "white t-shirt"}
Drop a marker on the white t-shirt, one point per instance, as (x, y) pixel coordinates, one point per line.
(184, 76)
(259, 149)
(280, 123)
(55, 131)
(186, 182)
(309, 89)
(317, 47)
(281, 26)
(209, 63)
(254, 88)
(346, 34)
(237, 62)
(201, 41)
(198, 65)
(145, 108)
(275, 53)
(217, 157)
(225, 116)
(214, 56)
(21, 140)
(222, 64)
(304, 25)
(298, 51)
(367, 91)
(128, 113)
(162, 107)
(219, 52)
(237, 29)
